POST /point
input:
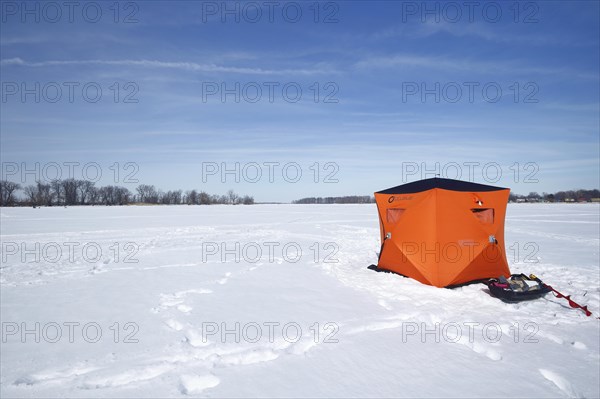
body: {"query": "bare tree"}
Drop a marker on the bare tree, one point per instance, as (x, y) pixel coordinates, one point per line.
(143, 192)
(148, 194)
(93, 195)
(191, 197)
(44, 194)
(121, 196)
(164, 198)
(7, 188)
(176, 197)
(70, 191)
(57, 191)
(31, 192)
(84, 187)
(204, 198)
(106, 194)
(232, 197)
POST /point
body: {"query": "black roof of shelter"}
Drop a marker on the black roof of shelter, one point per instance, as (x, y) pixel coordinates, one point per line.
(436, 182)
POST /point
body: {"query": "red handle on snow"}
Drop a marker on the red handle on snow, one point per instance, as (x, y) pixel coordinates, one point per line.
(572, 303)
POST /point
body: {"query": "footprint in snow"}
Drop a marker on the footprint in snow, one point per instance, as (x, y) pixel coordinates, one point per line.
(56, 375)
(196, 339)
(174, 324)
(252, 356)
(193, 384)
(126, 376)
(177, 300)
(184, 308)
(376, 326)
(384, 304)
(168, 301)
(551, 337)
(561, 383)
(480, 348)
(579, 345)
(224, 279)
(302, 346)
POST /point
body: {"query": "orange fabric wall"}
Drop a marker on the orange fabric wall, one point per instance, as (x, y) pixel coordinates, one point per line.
(439, 241)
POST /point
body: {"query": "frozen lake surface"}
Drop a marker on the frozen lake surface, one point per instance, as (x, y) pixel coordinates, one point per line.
(277, 301)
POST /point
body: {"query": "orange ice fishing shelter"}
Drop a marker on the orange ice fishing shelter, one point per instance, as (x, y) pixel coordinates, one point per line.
(443, 232)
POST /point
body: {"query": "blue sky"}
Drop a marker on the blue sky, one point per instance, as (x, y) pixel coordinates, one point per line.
(503, 93)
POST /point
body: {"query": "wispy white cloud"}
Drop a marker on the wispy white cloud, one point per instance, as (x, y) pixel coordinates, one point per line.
(9, 41)
(586, 107)
(479, 30)
(80, 38)
(463, 65)
(178, 65)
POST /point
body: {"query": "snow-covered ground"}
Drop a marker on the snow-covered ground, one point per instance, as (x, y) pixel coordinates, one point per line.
(277, 300)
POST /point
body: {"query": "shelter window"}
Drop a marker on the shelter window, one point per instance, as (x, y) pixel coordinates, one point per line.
(485, 215)
(393, 214)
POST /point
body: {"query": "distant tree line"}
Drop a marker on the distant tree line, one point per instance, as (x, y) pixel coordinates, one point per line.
(560, 196)
(351, 199)
(84, 192)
